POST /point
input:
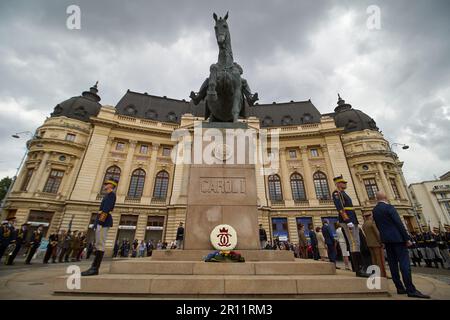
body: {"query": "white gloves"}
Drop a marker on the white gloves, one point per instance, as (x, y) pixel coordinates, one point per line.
(350, 225)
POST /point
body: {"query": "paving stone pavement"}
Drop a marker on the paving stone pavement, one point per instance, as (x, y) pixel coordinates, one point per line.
(35, 282)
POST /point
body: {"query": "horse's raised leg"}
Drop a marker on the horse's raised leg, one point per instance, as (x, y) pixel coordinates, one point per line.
(212, 93)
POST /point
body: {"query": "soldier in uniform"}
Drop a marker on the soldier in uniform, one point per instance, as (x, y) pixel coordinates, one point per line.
(421, 247)
(431, 248)
(414, 252)
(21, 236)
(103, 222)
(35, 242)
(349, 223)
(51, 248)
(7, 234)
(443, 249)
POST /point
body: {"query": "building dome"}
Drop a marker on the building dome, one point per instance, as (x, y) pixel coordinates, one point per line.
(81, 107)
(352, 119)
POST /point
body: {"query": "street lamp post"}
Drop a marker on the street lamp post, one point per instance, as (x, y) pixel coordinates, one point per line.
(406, 147)
(17, 136)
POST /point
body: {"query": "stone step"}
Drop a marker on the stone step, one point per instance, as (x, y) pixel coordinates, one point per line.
(198, 255)
(225, 285)
(149, 266)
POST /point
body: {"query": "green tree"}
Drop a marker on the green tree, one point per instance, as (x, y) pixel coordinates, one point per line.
(4, 186)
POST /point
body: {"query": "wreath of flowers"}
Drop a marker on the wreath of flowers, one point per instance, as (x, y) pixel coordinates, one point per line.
(224, 256)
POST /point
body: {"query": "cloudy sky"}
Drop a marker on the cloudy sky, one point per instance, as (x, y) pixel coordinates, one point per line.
(290, 50)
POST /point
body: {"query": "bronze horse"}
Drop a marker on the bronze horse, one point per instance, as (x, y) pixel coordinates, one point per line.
(225, 89)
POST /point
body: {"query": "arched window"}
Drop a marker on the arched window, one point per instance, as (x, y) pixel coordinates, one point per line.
(275, 193)
(298, 187)
(112, 173)
(161, 185)
(136, 184)
(321, 186)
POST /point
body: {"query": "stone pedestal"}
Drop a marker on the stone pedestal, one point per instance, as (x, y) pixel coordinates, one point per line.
(223, 192)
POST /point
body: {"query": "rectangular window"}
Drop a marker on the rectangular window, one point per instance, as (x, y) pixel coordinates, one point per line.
(447, 206)
(54, 181)
(120, 146)
(26, 180)
(292, 154)
(280, 229)
(394, 188)
(155, 221)
(314, 153)
(144, 149)
(70, 137)
(371, 188)
(166, 152)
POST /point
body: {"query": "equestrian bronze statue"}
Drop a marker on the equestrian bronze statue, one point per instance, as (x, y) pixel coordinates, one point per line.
(225, 89)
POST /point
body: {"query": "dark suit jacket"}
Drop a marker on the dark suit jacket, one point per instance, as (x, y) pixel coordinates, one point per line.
(389, 224)
(313, 237)
(327, 234)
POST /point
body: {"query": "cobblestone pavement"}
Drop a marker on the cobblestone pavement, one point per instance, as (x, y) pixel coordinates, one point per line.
(35, 282)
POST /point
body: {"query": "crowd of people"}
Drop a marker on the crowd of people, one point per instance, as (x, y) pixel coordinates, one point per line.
(67, 246)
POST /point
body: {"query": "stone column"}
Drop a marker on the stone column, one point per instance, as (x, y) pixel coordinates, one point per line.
(292, 229)
(152, 170)
(307, 178)
(125, 176)
(360, 188)
(102, 170)
(285, 178)
(38, 175)
(386, 186)
(141, 227)
(67, 181)
(330, 173)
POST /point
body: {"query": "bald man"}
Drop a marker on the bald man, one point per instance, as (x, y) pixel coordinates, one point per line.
(396, 242)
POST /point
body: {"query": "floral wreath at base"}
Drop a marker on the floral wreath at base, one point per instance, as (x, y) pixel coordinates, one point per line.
(224, 256)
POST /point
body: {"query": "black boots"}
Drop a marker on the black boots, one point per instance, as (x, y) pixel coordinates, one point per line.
(93, 270)
(358, 266)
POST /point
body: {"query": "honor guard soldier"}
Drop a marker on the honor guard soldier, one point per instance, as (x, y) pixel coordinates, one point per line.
(443, 249)
(35, 242)
(103, 222)
(431, 247)
(414, 253)
(349, 223)
(21, 236)
(7, 234)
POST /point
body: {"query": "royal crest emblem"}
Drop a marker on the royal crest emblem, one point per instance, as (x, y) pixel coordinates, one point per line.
(224, 237)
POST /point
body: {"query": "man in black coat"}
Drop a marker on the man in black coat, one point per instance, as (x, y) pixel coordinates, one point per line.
(180, 236)
(314, 242)
(262, 237)
(396, 241)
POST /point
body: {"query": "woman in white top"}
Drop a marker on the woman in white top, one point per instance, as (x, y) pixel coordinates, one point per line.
(342, 245)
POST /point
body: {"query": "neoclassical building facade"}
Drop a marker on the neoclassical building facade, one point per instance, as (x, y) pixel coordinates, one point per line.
(83, 143)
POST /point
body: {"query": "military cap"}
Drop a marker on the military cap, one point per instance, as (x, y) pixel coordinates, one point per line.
(339, 179)
(111, 181)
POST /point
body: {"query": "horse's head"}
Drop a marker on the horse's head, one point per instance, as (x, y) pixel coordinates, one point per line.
(222, 32)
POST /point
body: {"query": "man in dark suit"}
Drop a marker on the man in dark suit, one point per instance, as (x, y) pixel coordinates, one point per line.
(180, 236)
(396, 241)
(329, 241)
(314, 242)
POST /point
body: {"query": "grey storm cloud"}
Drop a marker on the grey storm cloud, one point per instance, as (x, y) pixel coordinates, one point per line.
(290, 50)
